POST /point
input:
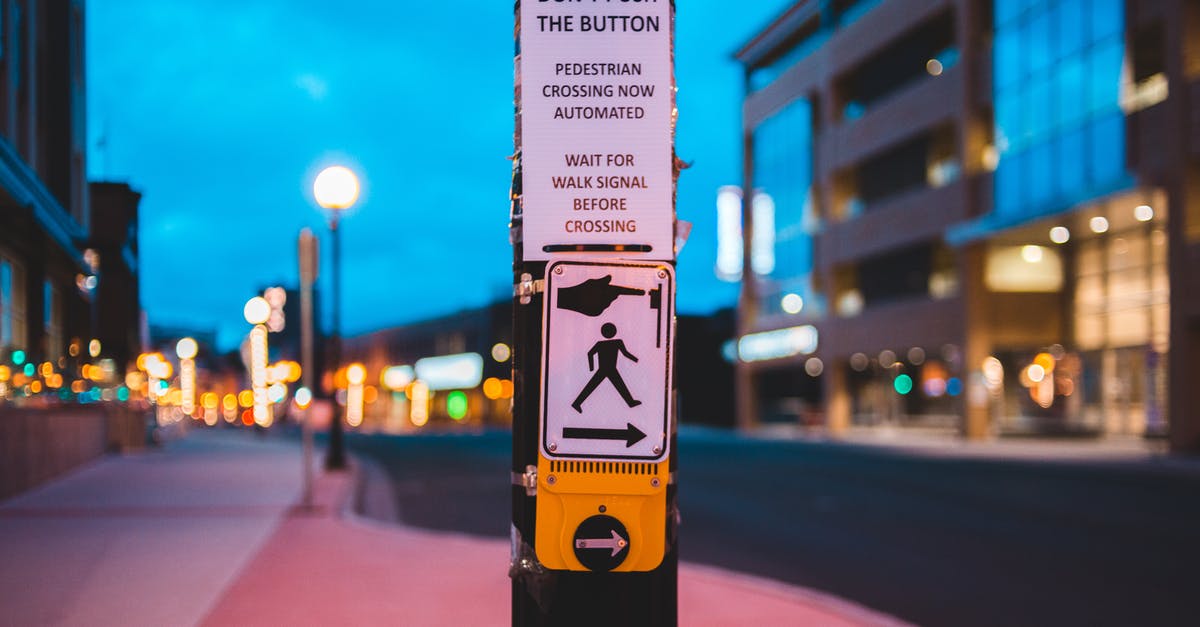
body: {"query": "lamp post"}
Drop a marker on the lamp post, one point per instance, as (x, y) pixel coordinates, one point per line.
(336, 189)
(186, 350)
(257, 311)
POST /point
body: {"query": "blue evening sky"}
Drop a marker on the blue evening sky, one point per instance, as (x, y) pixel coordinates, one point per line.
(221, 113)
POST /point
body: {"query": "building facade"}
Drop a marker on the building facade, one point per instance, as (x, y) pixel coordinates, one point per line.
(45, 299)
(116, 299)
(981, 216)
(468, 353)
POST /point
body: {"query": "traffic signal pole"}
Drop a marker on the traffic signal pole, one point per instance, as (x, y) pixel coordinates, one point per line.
(542, 595)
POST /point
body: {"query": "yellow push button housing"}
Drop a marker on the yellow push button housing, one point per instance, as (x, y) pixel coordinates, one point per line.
(601, 515)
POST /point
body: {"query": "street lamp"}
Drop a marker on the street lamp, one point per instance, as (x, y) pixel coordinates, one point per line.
(186, 350)
(356, 374)
(257, 311)
(336, 189)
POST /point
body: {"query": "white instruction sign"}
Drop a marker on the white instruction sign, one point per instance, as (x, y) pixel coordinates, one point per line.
(596, 109)
(606, 379)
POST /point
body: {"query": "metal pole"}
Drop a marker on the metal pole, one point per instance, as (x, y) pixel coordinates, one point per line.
(308, 266)
(540, 596)
(335, 455)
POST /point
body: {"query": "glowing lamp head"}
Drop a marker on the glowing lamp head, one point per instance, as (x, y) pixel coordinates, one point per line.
(186, 348)
(336, 187)
(356, 374)
(257, 310)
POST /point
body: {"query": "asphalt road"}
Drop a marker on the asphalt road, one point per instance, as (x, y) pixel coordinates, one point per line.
(932, 541)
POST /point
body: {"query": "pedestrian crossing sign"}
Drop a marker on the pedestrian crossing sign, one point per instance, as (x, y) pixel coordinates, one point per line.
(607, 339)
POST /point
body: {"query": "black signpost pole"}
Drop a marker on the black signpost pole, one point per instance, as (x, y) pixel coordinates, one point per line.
(542, 596)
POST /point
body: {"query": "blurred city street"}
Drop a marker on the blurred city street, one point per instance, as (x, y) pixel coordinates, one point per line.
(210, 530)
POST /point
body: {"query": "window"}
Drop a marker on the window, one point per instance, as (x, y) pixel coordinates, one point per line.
(6, 299)
(52, 302)
(12, 305)
(1145, 83)
(896, 275)
(1121, 292)
(927, 51)
(1059, 128)
(783, 170)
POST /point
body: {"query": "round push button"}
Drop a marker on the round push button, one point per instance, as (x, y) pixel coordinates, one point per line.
(601, 543)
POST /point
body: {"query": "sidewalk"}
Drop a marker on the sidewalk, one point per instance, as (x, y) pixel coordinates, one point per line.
(945, 444)
(207, 532)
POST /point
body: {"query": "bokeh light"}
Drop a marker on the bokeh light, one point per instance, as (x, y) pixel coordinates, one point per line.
(397, 378)
(303, 398)
(456, 405)
(792, 303)
(1046, 361)
(418, 393)
(492, 388)
(954, 386)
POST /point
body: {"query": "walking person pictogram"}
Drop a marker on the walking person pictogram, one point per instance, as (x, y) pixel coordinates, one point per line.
(603, 359)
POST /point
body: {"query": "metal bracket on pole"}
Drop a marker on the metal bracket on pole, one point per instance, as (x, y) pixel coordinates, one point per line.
(527, 480)
(528, 287)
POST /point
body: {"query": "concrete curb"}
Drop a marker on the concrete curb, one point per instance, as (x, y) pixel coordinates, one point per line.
(371, 493)
(788, 592)
(369, 502)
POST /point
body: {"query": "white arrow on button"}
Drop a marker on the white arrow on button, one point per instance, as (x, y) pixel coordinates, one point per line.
(616, 543)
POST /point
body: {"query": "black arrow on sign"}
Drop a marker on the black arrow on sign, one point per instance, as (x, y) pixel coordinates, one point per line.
(631, 434)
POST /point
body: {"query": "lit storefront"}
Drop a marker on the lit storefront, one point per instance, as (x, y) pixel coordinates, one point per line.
(1102, 269)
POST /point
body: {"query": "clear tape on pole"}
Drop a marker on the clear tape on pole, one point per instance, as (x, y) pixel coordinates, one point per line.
(524, 566)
